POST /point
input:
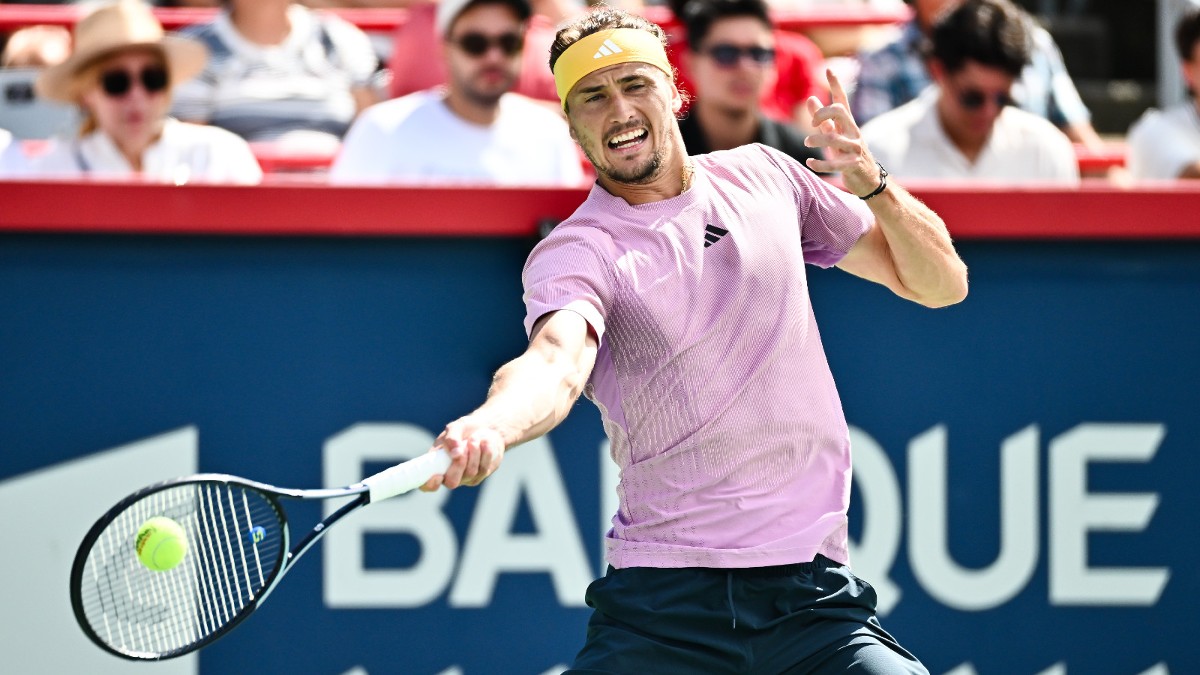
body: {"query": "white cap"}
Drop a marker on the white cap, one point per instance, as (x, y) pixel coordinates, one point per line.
(448, 11)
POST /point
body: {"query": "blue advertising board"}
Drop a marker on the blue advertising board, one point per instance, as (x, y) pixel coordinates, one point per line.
(1024, 461)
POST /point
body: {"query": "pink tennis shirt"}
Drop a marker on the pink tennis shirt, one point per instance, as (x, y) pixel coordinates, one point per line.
(710, 376)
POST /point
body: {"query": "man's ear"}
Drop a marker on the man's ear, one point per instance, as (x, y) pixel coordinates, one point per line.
(937, 71)
(676, 99)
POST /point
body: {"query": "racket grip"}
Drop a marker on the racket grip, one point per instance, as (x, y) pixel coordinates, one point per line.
(407, 476)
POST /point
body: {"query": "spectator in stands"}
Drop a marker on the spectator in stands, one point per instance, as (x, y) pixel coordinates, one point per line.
(964, 126)
(368, 4)
(36, 47)
(280, 72)
(731, 56)
(121, 74)
(12, 160)
(799, 68)
(896, 73)
(474, 130)
(413, 69)
(1165, 144)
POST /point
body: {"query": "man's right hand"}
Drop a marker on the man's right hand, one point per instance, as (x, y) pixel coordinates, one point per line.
(475, 450)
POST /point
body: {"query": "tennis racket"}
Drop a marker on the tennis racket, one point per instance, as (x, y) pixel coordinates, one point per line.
(237, 536)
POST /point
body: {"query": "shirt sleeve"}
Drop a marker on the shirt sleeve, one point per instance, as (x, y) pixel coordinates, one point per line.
(195, 100)
(566, 271)
(1062, 166)
(355, 55)
(831, 220)
(237, 161)
(361, 159)
(1065, 106)
(1157, 150)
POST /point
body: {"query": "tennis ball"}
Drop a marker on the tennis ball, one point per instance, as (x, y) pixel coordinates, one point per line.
(161, 543)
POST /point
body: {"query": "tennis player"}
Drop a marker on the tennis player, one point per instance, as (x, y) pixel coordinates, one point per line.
(676, 300)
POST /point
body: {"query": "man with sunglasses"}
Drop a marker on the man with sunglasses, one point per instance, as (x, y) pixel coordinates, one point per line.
(731, 58)
(473, 130)
(964, 127)
(896, 73)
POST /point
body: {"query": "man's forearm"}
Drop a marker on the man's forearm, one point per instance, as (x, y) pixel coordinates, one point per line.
(529, 396)
(920, 247)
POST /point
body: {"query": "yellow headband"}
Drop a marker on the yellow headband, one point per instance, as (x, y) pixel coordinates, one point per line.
(607, 48)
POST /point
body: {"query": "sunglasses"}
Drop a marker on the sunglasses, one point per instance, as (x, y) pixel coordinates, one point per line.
(478, 44)
(973, 99)
(729, 55)
(117, 83)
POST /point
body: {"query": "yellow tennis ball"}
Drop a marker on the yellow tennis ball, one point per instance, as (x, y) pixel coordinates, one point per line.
(161, 543)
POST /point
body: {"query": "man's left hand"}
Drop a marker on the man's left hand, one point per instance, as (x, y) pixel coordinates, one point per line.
(839, 138)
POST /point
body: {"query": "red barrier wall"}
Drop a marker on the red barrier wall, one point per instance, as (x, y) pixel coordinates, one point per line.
(1095, 211)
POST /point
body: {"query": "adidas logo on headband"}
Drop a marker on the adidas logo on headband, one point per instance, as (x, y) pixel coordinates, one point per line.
(607, 48)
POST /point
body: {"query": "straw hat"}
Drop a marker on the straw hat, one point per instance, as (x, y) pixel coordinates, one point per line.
(112, 28)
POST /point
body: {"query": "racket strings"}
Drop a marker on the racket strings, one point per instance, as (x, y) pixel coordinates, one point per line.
(236, 540)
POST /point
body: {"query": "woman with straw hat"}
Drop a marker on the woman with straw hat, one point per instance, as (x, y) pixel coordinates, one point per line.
(121, 74)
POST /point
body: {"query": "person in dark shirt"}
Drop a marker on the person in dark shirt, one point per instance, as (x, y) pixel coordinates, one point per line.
(731, 57)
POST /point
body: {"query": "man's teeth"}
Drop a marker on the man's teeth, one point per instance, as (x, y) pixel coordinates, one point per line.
(626, 137)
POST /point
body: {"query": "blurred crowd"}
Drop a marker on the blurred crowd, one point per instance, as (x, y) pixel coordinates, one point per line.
(460, 92)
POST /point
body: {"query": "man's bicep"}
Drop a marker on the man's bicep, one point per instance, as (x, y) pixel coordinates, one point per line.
(870, 258)
(565, 334)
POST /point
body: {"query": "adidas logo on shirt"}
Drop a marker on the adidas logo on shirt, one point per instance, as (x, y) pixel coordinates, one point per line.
(713, 234)
(607, 48)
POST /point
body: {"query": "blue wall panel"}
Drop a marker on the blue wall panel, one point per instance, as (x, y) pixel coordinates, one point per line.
(271, 346)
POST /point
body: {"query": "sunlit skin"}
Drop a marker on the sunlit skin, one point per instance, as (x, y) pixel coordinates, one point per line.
(476, 83)
(969, 129)
(133, 121)
(630, 98)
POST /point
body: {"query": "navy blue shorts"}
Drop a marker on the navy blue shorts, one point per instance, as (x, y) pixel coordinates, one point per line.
(812, 617)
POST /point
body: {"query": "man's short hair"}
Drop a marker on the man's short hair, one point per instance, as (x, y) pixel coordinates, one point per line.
(993, 33)
(601, 18)
(1187, 33)
(448, 11)
(700, 15)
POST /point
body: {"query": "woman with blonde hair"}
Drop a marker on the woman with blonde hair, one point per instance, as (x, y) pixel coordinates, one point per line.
(121, 74)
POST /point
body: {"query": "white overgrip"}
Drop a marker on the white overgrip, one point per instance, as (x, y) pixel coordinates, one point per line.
(407, 476)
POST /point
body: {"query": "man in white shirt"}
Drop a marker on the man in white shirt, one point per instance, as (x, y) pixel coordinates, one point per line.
(1165, 144)
(965, 127)
(473, 131)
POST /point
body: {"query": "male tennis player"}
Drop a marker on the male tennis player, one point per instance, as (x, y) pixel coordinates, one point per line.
(676, 298)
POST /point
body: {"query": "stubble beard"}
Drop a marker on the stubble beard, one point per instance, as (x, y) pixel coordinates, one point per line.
(638, 175)
(486, 98)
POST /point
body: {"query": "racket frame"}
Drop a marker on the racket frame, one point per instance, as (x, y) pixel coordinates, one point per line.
(388, 483)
